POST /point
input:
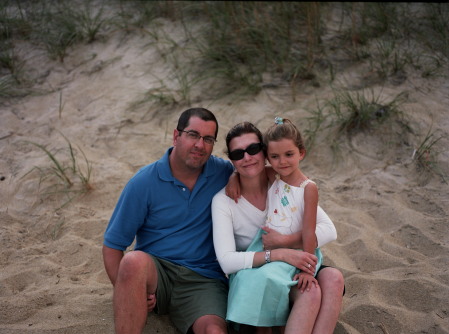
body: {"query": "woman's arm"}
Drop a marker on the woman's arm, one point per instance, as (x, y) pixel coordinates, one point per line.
(232, 260)
(304, 261)
(229, 258)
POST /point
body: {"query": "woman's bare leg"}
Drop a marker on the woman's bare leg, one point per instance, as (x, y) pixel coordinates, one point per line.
(304, 311)
(332, 284)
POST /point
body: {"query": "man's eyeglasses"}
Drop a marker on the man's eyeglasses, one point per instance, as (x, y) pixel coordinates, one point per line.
(252, 149)
(193, 135)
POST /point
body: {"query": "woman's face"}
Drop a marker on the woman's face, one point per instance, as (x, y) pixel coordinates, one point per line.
(249, 165)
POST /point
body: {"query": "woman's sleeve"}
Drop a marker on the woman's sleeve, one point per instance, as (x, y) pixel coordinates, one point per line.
(325, 229)
(229, 258)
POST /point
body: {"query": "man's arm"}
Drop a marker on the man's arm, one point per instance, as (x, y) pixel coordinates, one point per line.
(112, 258)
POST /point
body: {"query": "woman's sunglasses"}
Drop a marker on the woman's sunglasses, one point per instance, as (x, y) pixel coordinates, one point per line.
(252, 149)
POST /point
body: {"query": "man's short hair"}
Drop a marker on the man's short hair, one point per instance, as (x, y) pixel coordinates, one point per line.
(201, 113)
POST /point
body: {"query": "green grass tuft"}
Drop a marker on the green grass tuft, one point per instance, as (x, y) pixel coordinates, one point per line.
(426, 155)
(64, 177)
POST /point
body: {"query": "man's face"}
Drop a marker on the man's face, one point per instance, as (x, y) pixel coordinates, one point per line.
(193, 153)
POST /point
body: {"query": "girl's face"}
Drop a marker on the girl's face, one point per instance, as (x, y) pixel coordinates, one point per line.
(284, 156)
(249, 165)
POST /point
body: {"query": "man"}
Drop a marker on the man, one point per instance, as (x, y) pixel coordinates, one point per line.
(166, 207)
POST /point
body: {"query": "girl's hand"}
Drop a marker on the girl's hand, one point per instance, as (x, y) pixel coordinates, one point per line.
(272, 239)
(232, 189)
(305, 281)
(151, 302)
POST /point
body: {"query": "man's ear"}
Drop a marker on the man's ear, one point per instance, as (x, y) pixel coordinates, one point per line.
(176, 134)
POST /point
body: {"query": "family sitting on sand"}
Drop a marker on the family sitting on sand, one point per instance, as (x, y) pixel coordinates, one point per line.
(266, 237)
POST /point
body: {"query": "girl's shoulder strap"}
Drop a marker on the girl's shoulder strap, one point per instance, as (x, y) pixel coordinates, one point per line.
(305, 183)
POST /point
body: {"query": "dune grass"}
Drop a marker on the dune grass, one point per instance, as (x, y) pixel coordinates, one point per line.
(426, 155)
(360, 111)
(64, 177)
(351, 112)
(242, 48)
(238, 43)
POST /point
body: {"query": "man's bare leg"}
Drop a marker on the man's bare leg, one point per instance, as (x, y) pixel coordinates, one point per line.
(137, 277)
(332, 284)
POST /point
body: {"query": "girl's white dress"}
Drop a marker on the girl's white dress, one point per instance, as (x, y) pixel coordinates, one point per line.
(260, 296)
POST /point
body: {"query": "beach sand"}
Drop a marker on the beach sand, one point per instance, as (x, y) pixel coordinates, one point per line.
(391, 219)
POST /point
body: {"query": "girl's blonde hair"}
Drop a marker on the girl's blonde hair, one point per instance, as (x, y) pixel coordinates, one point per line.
(284, 129)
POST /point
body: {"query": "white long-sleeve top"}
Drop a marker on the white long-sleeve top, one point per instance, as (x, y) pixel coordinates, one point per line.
(236, 224)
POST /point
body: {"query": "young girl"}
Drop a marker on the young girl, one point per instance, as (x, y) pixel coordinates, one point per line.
(293, 198)
(260, 296)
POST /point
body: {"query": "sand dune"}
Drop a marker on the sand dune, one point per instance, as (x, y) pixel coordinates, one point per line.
(392, 221)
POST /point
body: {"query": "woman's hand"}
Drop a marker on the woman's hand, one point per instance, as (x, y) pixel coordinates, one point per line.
(304, 261)
(151, 302)
(305, 281)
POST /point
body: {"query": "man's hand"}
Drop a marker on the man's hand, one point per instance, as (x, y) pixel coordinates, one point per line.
(151, 302)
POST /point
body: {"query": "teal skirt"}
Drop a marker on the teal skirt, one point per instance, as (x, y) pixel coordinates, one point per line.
(260, 296)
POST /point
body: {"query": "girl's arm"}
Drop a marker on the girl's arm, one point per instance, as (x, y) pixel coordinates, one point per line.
(233, 187)
(271, 174)
(306, 280)
(325, 233)
(272, 239)
(309, 219)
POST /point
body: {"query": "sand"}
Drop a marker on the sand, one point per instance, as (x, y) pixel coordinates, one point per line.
(392, 220)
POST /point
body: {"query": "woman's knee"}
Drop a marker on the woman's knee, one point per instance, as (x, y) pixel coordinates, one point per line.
(331, 277)
(312, 296)
(210, 324)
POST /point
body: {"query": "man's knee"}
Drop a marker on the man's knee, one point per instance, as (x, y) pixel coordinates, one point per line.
(136, 265)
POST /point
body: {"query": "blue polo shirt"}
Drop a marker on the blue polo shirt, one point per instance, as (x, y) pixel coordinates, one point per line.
(167, 219)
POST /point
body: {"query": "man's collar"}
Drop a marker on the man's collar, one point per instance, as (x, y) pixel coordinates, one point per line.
(165, 173)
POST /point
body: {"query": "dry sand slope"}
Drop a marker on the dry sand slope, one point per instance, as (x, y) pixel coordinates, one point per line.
(392, 222)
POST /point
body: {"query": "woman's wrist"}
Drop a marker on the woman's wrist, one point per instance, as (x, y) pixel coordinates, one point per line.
(267, 256)
(278, 255)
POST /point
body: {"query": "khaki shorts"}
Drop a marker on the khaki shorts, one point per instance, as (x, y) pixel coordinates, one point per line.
(187, 296)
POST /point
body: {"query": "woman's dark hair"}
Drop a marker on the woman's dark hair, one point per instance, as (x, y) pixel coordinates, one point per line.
(201, 113)
(241, 129)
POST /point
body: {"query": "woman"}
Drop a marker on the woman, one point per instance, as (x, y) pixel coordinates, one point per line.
(236, 224)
